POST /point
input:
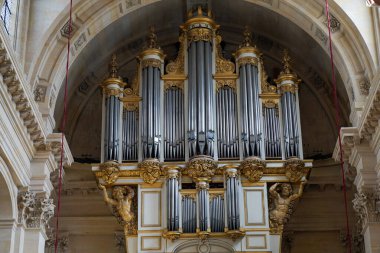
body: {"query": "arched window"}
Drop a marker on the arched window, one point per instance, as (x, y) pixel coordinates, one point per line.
(6, 14)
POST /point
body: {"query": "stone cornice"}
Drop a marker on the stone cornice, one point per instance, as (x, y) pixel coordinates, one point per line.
(14, 79)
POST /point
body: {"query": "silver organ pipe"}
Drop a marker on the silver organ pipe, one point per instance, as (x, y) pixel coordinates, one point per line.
(287, 83)
(112, 91)
(251, 123)
(226, 121)
(172, 204)
(174, 134)
(203, 206)
(271, 115)
(189, 220)
(232, 198)
(217, 213)
(151, 60)
(201, 92)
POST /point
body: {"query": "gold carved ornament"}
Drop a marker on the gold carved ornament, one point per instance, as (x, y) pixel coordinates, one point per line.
(151, 170)
(155, 63)
(282, 204)
(295, 169)
(252, 168)
(222, 65)
(124, 206)
(130, 100)
(220, 83)
(173, 84)
(199, 34)
(201, 167)
(287, 81)
(177, 67)
(109, 172)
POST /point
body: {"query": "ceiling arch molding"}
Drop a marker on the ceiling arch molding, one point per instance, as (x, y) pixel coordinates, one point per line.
(353, 60)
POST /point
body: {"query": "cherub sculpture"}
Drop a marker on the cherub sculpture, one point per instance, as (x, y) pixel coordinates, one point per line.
(282, 202)
(122, 200)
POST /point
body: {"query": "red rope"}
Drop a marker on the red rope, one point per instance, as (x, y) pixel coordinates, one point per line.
(337, 122)
(63, 125)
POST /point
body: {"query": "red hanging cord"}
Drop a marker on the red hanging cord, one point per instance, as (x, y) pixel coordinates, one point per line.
(63, 125)
(337, 123)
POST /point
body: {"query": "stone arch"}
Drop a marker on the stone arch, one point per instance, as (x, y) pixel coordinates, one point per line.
(210, 246)
(8, 207)
(353, 59)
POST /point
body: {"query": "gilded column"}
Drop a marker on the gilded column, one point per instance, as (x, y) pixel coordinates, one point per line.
(287, 83)
(111, 117)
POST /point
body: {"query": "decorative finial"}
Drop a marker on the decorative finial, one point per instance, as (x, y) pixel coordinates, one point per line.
(286, 62)
(247, 42)
(113, 67)
(152, 39)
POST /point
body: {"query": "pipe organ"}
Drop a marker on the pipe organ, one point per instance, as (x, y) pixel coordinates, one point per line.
(204, 138)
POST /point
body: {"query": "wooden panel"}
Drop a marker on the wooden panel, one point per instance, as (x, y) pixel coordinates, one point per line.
(150, 243)
(254, 207)
(151, 209)
(258, 241)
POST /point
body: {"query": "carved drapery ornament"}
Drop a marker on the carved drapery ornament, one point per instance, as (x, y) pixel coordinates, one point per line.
(109, 172)
(151, 170)
(34, 211)
(252, 168)
(282, 204)
(201, 167)
(295, 169)
(367, 206)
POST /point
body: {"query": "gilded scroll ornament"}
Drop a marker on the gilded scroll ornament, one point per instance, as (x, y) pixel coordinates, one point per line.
(123, 201)
(109, 172)
(282, 198)
(155, 63)
(151, 170)
(177, 67)
(220, 83)
(247, 60)
(201, 167)
(295, 169)
(173, 84)
(199, 34)
(252, 168)
(222, 65)
(171, 235)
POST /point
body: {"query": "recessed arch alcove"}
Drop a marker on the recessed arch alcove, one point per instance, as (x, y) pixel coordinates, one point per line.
(272, 33)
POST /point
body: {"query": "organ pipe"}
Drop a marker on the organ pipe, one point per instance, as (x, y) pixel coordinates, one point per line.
(287, 83)
(201, 93)
(151, 65)
(112, 90)
(251, 122)
(203, 206)
(232, 198)
(172, 204)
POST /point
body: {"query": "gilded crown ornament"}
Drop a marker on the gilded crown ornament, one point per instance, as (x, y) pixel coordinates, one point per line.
(113, 85)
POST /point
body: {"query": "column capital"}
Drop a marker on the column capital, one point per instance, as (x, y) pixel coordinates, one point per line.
(367, 206)
(35, 210)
